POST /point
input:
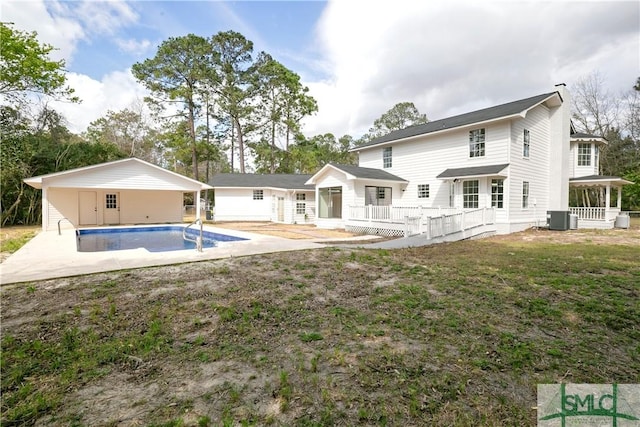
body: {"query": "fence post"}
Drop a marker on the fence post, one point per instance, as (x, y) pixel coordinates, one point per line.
(369, 213)
(406, 226)
(462, 226)
(428, 228)
(442, 220)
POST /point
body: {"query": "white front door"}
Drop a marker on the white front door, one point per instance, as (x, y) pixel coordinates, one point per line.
(112, 208)
(88, 207)
(280, 209)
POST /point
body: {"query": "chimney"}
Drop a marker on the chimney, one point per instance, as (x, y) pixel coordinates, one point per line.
(560, 159)
(563, 91)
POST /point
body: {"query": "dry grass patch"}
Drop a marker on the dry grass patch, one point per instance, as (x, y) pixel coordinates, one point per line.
(453, 334)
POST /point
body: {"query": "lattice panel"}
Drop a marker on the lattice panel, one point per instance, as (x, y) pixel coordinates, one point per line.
(358, 229)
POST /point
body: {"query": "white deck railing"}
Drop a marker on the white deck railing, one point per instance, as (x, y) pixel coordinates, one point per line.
(399, 220)
(595, 214)
(392, 213)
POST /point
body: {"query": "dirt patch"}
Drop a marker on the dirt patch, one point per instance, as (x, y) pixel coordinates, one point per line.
(441, 335)
(288, 231)
(629, 236)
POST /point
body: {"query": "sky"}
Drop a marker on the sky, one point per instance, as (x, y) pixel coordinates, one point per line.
(358, 57)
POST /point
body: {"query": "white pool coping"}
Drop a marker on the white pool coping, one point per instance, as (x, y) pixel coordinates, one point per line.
(49, 255)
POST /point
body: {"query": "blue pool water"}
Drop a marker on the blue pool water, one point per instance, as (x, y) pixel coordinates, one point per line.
(153, 239)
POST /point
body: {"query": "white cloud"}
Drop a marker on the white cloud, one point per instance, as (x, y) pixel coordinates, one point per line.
(135, 47)
(453, 57)
(59, 31)
(104, 17)
(64, 24)
(116, 91)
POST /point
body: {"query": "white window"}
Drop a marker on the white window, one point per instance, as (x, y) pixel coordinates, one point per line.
(377, 196)
(386, 157)
(526, 145)
(596, 158)
(301, 196)
(423, 191)
(330, 202)
(476, 143)
(301, 208)
(525, 194)
(258, 194)
(584, 154)
(497, 193)
(111, 201)
(470, 194)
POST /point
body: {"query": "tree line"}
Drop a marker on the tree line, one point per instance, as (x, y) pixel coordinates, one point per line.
(215, 105)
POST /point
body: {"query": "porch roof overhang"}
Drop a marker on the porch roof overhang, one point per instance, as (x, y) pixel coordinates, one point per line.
(598, 181)
(474, 172)
(356, 172)
(586, 137)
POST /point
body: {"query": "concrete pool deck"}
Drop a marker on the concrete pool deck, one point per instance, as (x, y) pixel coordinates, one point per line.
(49, 255)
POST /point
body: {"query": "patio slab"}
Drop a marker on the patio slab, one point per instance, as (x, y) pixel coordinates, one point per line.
(49, 255)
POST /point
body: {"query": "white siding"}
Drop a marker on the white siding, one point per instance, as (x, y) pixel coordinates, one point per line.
(148, 207)
(335, 178)
(534, 169)
(237, 204)
(131, 175)
(419, 161)
(309, 207)
(136, 207)
(60, 203)
(573, 155)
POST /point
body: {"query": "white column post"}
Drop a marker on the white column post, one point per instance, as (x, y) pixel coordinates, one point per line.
(607, 202)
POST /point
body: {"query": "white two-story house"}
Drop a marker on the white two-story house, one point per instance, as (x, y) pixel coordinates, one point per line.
(507, 165)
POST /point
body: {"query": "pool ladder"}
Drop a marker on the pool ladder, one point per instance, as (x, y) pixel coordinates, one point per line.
(63, 219)
(197, 240)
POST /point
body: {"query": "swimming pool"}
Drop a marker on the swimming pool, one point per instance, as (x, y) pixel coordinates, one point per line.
(153, 239)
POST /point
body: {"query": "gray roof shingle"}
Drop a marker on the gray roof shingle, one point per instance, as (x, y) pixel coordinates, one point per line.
(478, 116)
(473, 171)
(368, 173)
(252, 180)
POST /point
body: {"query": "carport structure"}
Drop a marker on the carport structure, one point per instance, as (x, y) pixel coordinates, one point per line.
(128, 191)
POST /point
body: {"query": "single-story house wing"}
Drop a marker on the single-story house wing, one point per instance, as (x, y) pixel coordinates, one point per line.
(128, 191)
(340, 188)
(284, 198)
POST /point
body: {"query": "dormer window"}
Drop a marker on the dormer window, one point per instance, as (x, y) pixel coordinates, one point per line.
(584, 154)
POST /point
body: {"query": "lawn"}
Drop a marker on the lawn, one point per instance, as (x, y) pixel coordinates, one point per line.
(454, 334)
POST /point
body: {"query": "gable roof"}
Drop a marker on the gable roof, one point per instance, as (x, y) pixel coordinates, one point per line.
(474, 171)
(252, 180)
(357, 172)
(125, 173)
(511, 109)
